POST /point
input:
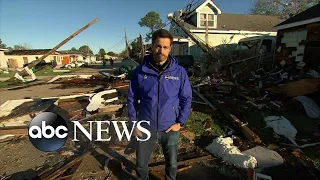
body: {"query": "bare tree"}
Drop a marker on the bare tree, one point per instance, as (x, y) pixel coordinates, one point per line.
(283, 8)
(24, 46)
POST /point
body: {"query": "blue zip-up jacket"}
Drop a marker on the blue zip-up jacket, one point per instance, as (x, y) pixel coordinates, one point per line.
(165, 99)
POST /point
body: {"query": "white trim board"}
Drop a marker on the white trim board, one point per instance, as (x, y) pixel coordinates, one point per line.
(299, 23)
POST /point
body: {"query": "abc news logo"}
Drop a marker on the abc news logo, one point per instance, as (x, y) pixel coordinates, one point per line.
(48, 131)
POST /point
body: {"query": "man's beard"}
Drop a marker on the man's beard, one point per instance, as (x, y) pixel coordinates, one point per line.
(161, 58)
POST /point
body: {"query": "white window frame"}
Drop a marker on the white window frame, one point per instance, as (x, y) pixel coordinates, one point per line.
(207, 19)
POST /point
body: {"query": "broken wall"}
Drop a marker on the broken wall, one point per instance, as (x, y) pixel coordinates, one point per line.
(298, 44)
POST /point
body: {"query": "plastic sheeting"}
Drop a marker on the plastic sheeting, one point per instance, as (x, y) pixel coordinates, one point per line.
(311, 108)
(266, 158)
(281, 126)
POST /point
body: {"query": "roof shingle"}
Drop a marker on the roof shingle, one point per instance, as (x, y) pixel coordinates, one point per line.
(28, 52)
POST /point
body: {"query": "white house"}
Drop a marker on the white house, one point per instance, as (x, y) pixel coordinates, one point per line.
(70, 56)
(3, 59)
(222, 28)
(17, 58)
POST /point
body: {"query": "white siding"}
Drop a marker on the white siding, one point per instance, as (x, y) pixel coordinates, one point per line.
(3, 60)
(206, 9)
(20, 61)
(292, 39)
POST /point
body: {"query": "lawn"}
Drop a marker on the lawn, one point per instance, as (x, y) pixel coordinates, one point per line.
(8, 84)
(11, 73)
(46, 71)
(196, 120)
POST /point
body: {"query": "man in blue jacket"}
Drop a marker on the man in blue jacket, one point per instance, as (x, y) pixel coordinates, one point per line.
(163, 89)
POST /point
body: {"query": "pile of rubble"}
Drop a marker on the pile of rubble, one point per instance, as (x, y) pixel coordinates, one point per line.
(244, 109)
(285, 100)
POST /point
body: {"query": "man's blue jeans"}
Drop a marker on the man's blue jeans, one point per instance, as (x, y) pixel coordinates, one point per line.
(169, 143)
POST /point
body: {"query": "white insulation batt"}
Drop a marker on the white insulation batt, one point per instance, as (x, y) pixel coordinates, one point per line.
(281, 126)
(223, 148)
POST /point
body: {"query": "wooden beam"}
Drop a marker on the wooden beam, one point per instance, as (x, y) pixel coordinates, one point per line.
(59, 171)
(156, 175)
(187, 161)
(249, 134)
(14, 130)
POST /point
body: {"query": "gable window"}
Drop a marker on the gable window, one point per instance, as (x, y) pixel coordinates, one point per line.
(206, 17)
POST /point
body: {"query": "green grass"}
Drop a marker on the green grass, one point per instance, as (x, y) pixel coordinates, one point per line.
(196, 120)
(48, 71)
(314, 155)
(11, 73)
(8, 84)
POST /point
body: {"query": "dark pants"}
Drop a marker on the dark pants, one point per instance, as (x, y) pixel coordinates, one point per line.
(169, 143)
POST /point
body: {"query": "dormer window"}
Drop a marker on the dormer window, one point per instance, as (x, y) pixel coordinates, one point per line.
(206, 17)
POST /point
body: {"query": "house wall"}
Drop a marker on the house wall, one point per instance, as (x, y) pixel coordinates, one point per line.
(20, 62)
(194, 18)
(73, 57)
(181, 48)
(3, 60)
(217, 39)
(207, 9)
(289, 51)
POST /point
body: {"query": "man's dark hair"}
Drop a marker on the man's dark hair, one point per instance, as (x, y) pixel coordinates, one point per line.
(162, 33)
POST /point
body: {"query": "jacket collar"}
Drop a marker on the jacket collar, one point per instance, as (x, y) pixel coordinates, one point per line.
(146, 68)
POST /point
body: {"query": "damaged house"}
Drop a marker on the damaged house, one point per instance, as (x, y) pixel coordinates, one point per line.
(3, 58)
(222, 28)
(298, 39)
(18, 58)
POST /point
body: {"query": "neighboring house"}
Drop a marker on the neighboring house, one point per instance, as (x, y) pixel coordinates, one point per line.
(3, 58)
(222, 28)
(17, 58)
(70, 56)
(90, 59)
(298, 39)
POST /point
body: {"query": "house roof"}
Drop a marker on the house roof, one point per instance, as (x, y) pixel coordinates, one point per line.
(69, 52)
(28, 52)
(245, 22)
(202, 3)
(302, 18)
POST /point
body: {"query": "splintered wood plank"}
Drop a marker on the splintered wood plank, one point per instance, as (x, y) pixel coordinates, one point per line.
(73, 107)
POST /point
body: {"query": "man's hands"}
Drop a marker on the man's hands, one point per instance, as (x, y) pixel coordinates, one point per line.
(137, 132)
(175, 127)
